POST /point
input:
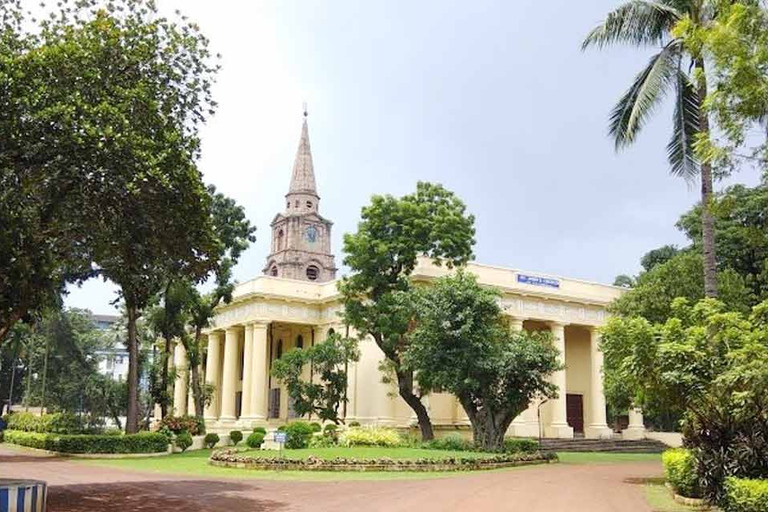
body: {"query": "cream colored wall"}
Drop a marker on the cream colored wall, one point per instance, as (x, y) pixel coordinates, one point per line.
(577, 366)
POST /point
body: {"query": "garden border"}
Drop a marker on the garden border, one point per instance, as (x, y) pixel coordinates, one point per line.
(91, 455)
(230, 459)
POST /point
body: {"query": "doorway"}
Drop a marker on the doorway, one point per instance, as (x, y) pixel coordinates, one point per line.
(574, 411)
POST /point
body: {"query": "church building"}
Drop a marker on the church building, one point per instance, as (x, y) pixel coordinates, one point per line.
(295, 303)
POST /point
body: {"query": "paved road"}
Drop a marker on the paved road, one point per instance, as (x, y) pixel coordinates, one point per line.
(76, 487)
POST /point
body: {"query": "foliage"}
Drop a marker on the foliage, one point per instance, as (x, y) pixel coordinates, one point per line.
(330, 429)
(316, 427)
(461, 344)
(255, 440)
(370, 436)
(455, 442)
(382, 254)
(324, 441)
(177, 424)
(353, 424)
(324, 394)
(183, 440)
(746, 495)
(260, 430)
(299, 433)
(212, 439)
(144, 442)
(54, 423)
(680, 472)
(679, 67)
(515, 445)
(235, 436)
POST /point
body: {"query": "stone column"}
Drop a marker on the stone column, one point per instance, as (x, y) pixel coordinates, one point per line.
(259, 366)
(190, 397)
(636, 428)
(229, 376)
(558, 426)
(246, 413)
(180, 384)
(212, 364)
(597, 427)
(518, 426)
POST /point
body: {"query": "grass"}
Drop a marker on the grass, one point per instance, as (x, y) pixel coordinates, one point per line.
(660, 499)
(366, 452)
(195, 463)
(606, 457)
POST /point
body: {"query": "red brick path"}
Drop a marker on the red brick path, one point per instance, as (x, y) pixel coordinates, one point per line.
(75, 486)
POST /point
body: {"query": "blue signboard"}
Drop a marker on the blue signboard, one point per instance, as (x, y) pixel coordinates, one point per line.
(281, 437)
(538, 281)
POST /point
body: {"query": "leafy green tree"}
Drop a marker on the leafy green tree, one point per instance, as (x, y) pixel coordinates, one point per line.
(381, 256)
(679, 66)
(327, 390)
(658, 256)
(462, 345)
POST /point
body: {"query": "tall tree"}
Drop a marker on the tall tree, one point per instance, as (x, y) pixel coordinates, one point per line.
(680, 67)
(462, 344)
(383, 253)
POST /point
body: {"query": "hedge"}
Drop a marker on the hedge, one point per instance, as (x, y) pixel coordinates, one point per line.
(370, 436)
(178, 424)
(144, 442)
(680, 472)
(53, 423)
(746, 495)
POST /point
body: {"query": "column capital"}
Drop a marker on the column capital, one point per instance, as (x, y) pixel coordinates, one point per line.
(234, 327)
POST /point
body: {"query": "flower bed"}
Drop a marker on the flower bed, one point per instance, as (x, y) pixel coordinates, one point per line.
(235, 459)
(144, 442)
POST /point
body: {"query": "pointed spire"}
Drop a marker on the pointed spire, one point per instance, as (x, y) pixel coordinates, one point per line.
(303, 177)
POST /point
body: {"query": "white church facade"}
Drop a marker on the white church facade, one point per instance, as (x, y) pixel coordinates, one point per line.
(295, 303)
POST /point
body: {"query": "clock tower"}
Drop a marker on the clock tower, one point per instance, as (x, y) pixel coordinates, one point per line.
(301, 237)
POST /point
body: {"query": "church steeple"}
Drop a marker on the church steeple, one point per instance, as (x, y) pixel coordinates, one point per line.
(303, 176)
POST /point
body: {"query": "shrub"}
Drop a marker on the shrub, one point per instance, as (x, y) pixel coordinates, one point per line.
(331, 430)
(453, 442)
(323, 441)
(299, 433)
(112, 431)
(144, 442)
(281, 428)
(235, 436)
(520, 445)
(260, 430)
(680, 472)
(255, 440)
(53, 423)
(353, 424)
(177, 424)
(211, 440)
(371, 436)
(184, 441)
(316, 427)
(746, 495)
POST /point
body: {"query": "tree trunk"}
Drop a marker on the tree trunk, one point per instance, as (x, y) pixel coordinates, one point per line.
(489, 429)
(707, 220)
(405, 389)
(164, 375)
(132, 416)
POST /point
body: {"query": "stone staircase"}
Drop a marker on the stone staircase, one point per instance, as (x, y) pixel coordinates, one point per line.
(616, 445)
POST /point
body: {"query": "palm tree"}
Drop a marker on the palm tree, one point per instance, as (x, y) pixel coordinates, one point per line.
(649, 23)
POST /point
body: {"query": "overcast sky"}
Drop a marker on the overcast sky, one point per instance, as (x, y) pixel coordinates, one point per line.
(493, 99)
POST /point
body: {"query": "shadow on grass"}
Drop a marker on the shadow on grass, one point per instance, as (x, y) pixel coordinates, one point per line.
(165, 496)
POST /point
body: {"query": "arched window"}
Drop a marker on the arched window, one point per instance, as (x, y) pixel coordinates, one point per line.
(309, 204)
(273, 271)
(288, 205)
(280, 239)
(312, 273)
(297, 203)
(331, 332)
(279, 349)
(300, 341)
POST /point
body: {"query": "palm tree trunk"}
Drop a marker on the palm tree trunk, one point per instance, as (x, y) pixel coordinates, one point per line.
(707, 220)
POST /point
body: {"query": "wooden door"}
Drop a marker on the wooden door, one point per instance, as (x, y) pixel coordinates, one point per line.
(574, 410)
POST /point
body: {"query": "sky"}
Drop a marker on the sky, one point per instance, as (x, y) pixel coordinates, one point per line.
(493, 99)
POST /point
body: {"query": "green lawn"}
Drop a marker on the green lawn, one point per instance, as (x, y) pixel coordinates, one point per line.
(660, 499)
(366, 453)
(602, 457)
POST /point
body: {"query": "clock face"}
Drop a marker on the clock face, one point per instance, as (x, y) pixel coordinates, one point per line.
(310, 234)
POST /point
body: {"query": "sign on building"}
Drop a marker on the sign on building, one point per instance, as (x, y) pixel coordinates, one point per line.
(538, 281)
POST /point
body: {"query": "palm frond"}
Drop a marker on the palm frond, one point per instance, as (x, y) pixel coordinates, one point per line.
(651, 84)
(637, 22)
(680, 150)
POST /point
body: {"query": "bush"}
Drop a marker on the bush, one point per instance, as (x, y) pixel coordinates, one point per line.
(235, 436)
(184, 441)
(520, 445)
(331, 430)
(316, 427)
(371, 436)
(746, 495)
(452, 442)
(144, 442)
(353, 424)
(299, 433)
(53, 423)
(211, 440)
(680, 472)
(281, 428)
(323, 442)
(260, 430)
(255, 440)
(194, 425)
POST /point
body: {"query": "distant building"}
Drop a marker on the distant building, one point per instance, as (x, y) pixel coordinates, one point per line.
(113, 361)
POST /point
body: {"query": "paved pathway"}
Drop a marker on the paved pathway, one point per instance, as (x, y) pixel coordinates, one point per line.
(76, 487)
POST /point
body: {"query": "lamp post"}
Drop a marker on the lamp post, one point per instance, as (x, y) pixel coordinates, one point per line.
(538, 415)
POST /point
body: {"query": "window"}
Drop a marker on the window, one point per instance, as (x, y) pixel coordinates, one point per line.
(309, 204)
(273, 271)
(299, 341)
(288, 205)
(312, 273)
(280, 239)
(297, 203)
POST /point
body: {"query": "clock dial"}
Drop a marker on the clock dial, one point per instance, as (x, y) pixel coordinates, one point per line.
(310, 234)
